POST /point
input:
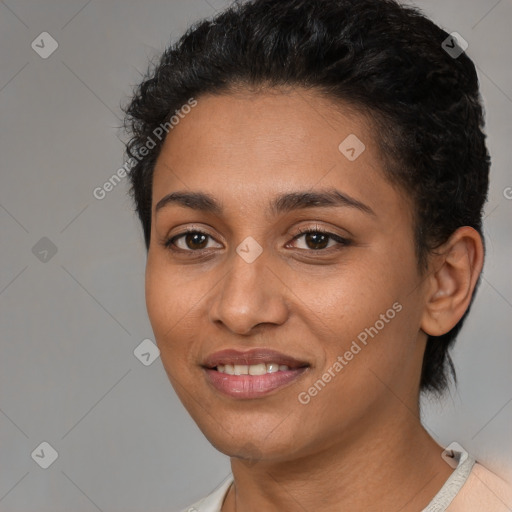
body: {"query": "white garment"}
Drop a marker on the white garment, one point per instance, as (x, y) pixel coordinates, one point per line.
(470, 488)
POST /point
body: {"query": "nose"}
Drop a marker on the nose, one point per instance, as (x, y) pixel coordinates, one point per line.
(250, 294)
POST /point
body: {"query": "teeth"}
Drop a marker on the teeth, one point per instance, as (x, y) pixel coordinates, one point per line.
(241, 369)
(258, 369)
(252, 369)
(272, 367)
(229, 369)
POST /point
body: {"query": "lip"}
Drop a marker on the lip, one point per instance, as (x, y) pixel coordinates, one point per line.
(253, 356)
(252, 386)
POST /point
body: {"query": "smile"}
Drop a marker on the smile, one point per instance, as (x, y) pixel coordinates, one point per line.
(251, 374)
(253, 369)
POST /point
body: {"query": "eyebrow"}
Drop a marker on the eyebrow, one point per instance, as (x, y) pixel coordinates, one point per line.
(281, 204)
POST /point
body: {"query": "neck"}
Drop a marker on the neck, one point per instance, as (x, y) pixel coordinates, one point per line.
(388, 465)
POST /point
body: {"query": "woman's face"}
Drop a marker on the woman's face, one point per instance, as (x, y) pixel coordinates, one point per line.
(343, 311)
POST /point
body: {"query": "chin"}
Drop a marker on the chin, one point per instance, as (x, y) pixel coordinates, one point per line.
(252, 445)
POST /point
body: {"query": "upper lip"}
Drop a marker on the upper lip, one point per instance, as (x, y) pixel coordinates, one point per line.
(253, 356)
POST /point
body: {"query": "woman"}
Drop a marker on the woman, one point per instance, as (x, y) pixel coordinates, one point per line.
(310, 178)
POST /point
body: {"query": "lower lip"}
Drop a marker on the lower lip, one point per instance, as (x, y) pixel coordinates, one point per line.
(251, 386)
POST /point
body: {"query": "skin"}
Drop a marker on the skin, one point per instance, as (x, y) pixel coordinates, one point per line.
(358, 444)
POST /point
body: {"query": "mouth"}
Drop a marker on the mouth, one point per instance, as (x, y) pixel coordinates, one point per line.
(251, 374)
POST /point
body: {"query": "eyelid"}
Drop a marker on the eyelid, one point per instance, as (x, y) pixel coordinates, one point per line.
(318, 229)
(339, 239)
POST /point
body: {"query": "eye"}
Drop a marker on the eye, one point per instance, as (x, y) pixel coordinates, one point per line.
(318, 239)
(191, 241)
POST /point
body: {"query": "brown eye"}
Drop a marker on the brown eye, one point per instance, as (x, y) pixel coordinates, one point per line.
(196, 240)
(317, 239)
(189, 241)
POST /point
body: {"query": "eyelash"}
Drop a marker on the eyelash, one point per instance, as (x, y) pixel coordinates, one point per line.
(343, 242)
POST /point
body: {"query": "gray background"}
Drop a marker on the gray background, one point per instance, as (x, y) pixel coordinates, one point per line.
(71, 321)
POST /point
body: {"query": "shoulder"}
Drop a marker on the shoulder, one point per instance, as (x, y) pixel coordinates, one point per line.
(483, 490)
(212, 502)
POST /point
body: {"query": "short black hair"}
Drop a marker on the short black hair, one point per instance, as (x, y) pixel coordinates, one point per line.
(384, 59)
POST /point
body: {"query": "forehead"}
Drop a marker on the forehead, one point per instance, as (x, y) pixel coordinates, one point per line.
(279, 126)
(250, 145)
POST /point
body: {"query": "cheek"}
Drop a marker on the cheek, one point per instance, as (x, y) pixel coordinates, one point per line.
(348, 299)
(166, 305)
(169, 303)
(161, 298)
(367, 315)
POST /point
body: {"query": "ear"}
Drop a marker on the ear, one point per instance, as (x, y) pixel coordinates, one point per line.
(456, 267)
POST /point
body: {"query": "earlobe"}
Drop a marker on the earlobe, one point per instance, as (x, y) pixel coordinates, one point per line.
(456, 267)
